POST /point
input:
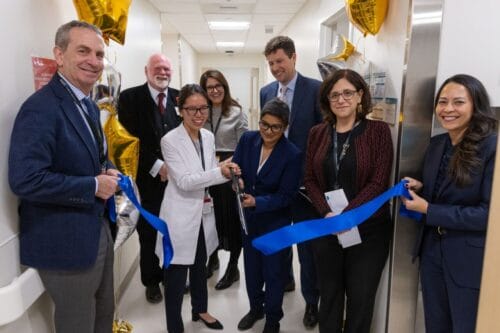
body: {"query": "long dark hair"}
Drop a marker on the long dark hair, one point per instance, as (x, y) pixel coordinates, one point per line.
(482, 124)
(357, 81)
(227, 101)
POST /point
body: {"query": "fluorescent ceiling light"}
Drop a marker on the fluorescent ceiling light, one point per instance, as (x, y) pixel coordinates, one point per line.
(228, 25)
(230, 44)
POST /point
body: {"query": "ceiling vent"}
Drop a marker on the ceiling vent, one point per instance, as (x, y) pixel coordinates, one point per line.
(269, 29)
(229, 52)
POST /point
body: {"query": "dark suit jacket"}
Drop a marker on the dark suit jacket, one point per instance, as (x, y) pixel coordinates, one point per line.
(273, 187)
(305, 112)
(139, 114)
(463, 212)
(52, 164)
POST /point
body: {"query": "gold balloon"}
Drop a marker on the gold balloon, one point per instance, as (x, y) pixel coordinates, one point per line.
(367, 15)
(108, 15)
(342, 48)
(123, 148)
(121, 326)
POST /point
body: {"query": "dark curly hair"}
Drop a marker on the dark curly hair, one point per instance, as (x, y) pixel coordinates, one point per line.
(227, 101)
(482, 124)
(359, 84)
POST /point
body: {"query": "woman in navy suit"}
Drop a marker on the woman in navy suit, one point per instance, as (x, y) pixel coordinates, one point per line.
(455, 196)
(271, 172)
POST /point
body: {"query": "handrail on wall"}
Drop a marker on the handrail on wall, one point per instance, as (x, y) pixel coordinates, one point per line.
(19, 295)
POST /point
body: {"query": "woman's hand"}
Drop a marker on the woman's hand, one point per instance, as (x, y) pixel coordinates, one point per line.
(413, 184)
(248, 200)
(226, 167)
(416, 203)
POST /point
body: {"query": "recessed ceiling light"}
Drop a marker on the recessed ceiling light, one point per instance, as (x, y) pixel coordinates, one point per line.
(230, 44)
(228, 25)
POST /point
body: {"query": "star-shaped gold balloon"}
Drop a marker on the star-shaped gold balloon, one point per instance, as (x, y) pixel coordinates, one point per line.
(108, 15)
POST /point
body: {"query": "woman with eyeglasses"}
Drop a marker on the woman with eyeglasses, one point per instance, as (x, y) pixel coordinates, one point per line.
(187, 206)
(227, 122)
(271, 172)
(350, 158)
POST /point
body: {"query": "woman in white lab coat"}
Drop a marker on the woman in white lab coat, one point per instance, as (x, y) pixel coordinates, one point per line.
(187, 208)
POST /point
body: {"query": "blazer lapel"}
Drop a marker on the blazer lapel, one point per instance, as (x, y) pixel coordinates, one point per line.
(433, 167)
(298, 98)
(273, 159)
(254, 158)
(188, 147)
(75, 118)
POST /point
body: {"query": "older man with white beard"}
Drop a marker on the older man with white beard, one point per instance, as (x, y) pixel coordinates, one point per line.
(148, 112)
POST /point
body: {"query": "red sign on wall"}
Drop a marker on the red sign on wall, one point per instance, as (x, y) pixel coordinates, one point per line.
(43, 70)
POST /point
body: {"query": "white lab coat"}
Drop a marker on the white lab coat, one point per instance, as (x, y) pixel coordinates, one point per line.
(182, 203)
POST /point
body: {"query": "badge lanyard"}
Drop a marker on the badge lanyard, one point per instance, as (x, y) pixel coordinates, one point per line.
(338, 158)
(212, 123)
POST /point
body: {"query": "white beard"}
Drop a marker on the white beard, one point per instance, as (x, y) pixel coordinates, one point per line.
(161, 82)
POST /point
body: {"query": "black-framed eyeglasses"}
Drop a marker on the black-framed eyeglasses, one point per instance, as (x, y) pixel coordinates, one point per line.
(216, 87)
(346, 94)
(275, 128)
(193, 110)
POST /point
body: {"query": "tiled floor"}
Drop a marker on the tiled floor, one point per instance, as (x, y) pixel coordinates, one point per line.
(226, 305)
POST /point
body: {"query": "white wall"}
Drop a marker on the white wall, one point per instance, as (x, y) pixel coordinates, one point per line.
(304, 29)
(170, 48)
(470, 43)
(27, 27)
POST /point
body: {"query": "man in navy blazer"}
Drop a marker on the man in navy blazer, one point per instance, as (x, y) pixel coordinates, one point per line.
(58, 167)
(148, 115)
(301, 95)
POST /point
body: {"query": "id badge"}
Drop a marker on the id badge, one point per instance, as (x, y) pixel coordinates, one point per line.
(337, 201)
(208, 204)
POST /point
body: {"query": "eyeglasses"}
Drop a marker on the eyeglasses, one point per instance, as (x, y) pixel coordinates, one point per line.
(346, 94)
(275, 128)
(217, 87)
(193, 110)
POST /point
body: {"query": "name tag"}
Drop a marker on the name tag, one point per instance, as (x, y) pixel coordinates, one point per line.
(337, 201)
(208, 204)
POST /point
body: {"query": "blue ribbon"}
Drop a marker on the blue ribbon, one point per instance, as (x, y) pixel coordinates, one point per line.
(157, 223)
(277, 240)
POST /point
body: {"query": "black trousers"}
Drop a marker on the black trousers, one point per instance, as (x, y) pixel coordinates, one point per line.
(349, 275)
(151, 272)
(175, 282)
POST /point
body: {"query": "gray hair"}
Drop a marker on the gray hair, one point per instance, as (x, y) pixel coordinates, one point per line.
(277, 108)
(62, 34)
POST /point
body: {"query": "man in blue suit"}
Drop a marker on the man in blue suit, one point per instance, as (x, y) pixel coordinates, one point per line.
(58, 167)
(301, 95)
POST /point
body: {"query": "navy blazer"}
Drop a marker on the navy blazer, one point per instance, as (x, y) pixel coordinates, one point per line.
(53, 160)
(463, 212)
(305, 111)
(273, 187)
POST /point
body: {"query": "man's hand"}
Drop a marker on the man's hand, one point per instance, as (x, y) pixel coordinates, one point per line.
(163, 172)
(107, 185)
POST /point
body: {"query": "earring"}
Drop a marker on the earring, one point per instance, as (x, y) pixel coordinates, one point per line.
(359, 109)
